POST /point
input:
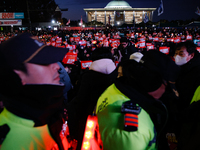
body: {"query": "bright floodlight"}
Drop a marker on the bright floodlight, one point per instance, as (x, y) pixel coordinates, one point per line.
(53, 21)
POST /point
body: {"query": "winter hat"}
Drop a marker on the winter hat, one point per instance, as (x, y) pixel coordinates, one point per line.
(161, 63)
(164, 65)
(137, 74)
(136, 56)
(105, 66)
(123, 39)
(100, 53)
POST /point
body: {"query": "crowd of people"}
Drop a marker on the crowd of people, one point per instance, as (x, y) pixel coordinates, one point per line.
(141, 83)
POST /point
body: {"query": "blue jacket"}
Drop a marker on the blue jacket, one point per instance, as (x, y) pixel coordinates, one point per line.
(64, 78)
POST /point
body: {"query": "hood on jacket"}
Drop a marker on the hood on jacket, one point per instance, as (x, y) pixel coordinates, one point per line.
(104, 65)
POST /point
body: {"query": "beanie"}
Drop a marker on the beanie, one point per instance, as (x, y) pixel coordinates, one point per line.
(123, 39)
(136, 56)
(100, 53)
(138, 75)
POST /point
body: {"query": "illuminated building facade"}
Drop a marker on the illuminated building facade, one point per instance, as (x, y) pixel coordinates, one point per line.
(118, 12)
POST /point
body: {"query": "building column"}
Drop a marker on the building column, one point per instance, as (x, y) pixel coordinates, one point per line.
(114, 17)
(124, 16)
(105, 18)
(142, 15)
(149, 15)
(152, 16)
(95, 15)
(86, 16)
(134, 18)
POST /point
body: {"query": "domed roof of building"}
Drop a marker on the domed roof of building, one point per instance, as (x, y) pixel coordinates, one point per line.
(118, 4)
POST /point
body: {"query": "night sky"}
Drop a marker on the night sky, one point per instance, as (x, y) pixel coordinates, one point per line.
(173, 9)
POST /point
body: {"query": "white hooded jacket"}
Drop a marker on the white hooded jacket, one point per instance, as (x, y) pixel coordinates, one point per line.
(104, 65)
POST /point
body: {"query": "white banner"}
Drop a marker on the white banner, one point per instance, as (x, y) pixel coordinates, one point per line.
(10, 22)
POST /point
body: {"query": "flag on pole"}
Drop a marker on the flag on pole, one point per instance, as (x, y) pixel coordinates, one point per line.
(68, 22)
(197, 11)
(146, 18)
(118, 14)
(160, 8)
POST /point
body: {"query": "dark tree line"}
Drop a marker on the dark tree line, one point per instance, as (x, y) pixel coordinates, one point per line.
(34, 10)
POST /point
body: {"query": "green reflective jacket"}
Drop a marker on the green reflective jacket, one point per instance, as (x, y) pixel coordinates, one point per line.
(24, 136)
(111, 124)
(196, 96)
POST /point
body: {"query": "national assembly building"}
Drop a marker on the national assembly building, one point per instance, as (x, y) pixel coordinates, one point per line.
(118, 12)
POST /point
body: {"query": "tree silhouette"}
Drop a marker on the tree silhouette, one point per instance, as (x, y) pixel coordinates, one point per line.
(34, 11)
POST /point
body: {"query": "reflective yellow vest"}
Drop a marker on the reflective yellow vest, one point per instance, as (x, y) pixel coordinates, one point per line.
(24, 136)
(196, 96)
(111, 124)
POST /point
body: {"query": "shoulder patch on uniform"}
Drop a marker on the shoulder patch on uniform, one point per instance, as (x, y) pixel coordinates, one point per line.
(103, 104)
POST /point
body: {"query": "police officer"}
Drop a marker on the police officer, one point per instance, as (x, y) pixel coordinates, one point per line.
(124, 108)
(33, 114)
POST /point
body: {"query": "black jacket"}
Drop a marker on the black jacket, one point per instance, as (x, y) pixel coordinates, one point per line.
(188, 81)
(155, 108)
(92, 85)
(190, 128)
(126, 52)
(188, 122)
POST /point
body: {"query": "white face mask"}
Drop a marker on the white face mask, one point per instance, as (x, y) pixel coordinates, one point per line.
(180, 60)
